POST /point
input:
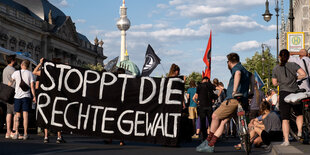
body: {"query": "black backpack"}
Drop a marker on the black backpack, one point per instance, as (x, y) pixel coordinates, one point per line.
(22, 84)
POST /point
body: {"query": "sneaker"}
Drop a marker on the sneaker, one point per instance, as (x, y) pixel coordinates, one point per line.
(15, 136)
(60, 140)
(285, 144)
(46, 140)
(202, 145)
(7, 136)
(268, 148)
(207, 148)
(25, 137)
(195, 136)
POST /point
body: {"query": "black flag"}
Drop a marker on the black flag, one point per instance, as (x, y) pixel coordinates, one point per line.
(151, 61)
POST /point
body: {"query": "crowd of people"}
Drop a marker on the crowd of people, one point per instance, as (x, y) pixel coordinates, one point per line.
(210, 105)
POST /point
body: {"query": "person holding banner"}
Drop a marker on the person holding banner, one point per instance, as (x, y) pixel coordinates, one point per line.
(37, 72)
(238, 83)
(22, 100)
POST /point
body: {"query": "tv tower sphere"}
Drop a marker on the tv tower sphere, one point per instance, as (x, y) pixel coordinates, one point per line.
(123, 22)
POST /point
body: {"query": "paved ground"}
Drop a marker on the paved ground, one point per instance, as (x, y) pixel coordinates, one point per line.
(91, 145)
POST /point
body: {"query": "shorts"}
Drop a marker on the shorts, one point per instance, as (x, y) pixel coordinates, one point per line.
(10, 108)
(270, 136)
(192, 113)
(23, 104)
(285, 108)
(227, 110)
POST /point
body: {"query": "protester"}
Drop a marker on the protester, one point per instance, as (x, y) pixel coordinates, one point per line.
(204, 94)
(22, 98)
(258, 97)
(284, 76)
(37, 72)
(304, 62)
(239, 83)
(192, 109)
(174, 71)
(7, 77)
(274, 100)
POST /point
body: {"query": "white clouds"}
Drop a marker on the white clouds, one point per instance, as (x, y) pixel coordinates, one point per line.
(202, 8)
(246, 46)
(253, 45)
(80, 21)
(162, 6)
(60, 3)
(141, 27)
(96, 32)
(219, 58)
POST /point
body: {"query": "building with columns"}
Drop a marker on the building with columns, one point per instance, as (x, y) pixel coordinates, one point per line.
(43, 30)
(301, 11)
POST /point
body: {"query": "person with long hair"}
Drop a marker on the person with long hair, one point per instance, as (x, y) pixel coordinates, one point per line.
(285, 76)
(174, 71)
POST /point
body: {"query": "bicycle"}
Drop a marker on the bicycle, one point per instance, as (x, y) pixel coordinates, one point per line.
(305, 101)
(242, 127)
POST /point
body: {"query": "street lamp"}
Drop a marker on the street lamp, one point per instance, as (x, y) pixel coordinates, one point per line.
(267, 17)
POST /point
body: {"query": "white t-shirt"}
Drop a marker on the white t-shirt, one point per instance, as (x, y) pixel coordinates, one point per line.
(28, 79)
(305, 84)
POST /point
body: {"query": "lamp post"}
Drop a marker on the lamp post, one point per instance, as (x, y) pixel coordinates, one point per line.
(291, 16)
(267, 17)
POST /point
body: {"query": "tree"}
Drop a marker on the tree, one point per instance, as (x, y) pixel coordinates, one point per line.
(256, 63)
(97, 67)
(197, 77)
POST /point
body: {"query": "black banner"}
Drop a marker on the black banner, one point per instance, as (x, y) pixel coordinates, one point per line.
(112, 106)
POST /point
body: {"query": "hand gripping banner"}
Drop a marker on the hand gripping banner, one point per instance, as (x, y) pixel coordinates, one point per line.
(104, 104)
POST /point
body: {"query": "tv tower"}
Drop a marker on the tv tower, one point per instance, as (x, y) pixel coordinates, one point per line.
(123, 24)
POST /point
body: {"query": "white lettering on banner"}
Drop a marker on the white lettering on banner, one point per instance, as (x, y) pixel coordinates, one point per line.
(150, 126)
(49, 76)
(175, 123)
(125, 122)
(80, 80)
(40, 106)
(95, 115)
(161, 91)
(104, 119)
(166, 126)
(141, 101)
(54, 112)
(103, 82)
(61, 75)
(173, 91)
(65, 115)
(138, 122)
(159, 125)
(88, 81)
(83, 115)
(125, 76)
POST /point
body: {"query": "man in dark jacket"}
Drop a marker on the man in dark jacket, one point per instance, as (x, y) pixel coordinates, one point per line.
(204, 95)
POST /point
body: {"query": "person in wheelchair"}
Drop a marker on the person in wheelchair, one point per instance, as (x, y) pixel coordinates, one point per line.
(285, 76)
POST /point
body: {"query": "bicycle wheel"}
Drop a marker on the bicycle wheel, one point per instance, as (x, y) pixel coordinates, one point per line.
(246, 143)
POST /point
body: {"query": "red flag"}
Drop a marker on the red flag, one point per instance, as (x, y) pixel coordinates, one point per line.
(207, 57)
(203, 74)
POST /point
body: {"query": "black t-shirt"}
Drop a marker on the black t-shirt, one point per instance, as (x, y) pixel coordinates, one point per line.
(205, 91)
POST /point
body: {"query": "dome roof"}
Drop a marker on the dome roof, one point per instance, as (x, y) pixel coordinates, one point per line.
(38, 9)
(129, 66)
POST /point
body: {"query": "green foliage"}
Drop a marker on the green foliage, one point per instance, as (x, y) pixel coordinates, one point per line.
(197, 77)
(97, 67)
(256, 63)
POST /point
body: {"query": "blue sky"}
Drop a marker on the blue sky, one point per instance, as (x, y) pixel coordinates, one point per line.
(178, 30)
